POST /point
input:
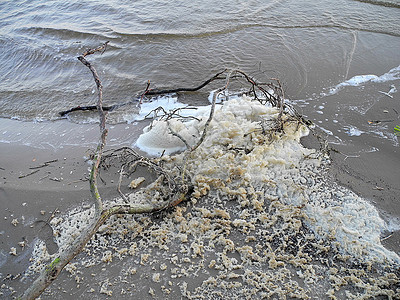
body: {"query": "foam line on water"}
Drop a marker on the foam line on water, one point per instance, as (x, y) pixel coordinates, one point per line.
(358, 80)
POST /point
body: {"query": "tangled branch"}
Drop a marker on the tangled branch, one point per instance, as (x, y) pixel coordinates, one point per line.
(175, 196)
(172, 188)
(271, 92)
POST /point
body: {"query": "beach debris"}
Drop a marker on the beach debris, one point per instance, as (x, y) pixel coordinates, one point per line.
(376, 122)
(387, 237)
(136, 182)
(13, 251)
(386, 94)
(44, 177)
(22, 244)
(45, 164)
(263, 242)
(104, 288)
(391, 91)
(378, 188)
(15, 222)
(29, 174)
(397, 130)
(56, 179)
(79, 180)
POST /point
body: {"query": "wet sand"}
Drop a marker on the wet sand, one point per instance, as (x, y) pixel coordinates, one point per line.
(37, 183)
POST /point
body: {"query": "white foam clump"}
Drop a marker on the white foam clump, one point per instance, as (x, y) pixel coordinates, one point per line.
(281, 167)
(157, 138)
(353, 131)
(353, 222)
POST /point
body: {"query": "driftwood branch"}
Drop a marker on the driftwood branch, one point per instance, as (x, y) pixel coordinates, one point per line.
(187, 89)
(203, 135)
(174, 188)
(147, 92)
(53, 269)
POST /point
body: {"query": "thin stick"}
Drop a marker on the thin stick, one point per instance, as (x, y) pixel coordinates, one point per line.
(103, 131)
(177, 90)
(121, 173)
(29, 174)
(211, 112)
(51, 272)
(178, 135)
(45, 164)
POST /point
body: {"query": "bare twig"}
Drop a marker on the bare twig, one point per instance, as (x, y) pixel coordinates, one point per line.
(121, 174)
(145, 92)
(51, 272)
(228, 76)
(178, 135)
(187, 89)
(387, 237)
(86, 108)
(45, 164)
(103, 131)
(29, 174)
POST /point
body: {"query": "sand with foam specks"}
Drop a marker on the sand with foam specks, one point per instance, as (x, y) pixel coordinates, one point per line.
(263, 221)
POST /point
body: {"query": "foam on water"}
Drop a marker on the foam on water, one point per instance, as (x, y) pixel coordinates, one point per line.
(393, 74)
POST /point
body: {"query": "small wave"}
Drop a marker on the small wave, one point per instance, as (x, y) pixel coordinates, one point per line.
(185, 34)
(65, 33)
(381, 3)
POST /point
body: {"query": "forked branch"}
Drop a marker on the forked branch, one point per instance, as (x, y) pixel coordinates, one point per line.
(51, 271)
(175, 187)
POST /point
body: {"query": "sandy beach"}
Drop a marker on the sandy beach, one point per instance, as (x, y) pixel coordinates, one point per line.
(40, 184)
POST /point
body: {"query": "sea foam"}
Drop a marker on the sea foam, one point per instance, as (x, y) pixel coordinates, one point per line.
(332, 211)
(263, 219)
(358, 80)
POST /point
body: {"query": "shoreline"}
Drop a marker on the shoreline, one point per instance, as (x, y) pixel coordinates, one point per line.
(373, 182)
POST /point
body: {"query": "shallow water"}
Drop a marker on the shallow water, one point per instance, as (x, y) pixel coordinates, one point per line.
(320, 53)
(309, 45)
